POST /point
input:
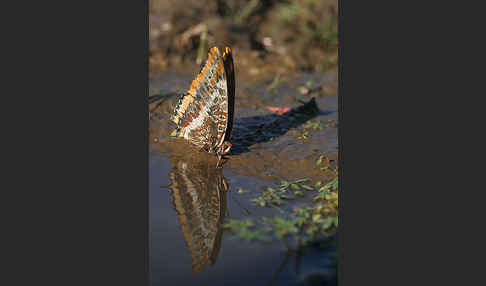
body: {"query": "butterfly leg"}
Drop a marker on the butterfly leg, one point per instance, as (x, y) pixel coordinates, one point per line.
(223, 150)
(218, 164)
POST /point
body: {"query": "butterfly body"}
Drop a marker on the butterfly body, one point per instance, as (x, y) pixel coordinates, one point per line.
(204, 113)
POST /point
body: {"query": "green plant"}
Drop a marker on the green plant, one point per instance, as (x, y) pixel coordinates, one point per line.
(308, 223)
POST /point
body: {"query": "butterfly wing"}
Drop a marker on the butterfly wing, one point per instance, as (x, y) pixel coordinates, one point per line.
(230, 87)
(203, 113)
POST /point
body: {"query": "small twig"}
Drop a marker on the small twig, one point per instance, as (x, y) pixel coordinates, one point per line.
(275, 82)
(202, 44)
(245, 12)
(196, 30)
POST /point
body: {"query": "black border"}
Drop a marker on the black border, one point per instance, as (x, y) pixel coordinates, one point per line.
(76, 181)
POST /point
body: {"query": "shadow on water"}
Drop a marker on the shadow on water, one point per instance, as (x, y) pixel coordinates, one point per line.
(198, 191)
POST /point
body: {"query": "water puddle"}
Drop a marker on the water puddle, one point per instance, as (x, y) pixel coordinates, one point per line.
(190, 197)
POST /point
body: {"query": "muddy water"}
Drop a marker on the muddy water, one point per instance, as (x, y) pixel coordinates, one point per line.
(190, 197)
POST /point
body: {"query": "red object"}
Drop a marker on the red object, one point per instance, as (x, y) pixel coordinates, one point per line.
(278, 110)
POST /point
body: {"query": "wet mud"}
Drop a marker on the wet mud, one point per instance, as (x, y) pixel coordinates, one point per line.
(191, 194)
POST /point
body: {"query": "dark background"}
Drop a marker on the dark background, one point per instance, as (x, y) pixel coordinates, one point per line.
(74, 194)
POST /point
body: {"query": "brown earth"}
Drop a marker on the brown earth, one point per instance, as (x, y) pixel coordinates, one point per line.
(266, 36)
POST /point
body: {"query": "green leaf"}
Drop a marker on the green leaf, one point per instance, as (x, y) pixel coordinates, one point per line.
(259, 201)
(316, 217)
(295, 186)
(301, 180)
(284, 184)
(324, 189)
(327, 223)
(318, 184)
(320, 196)
(242, 191)
(335, 183)
(307, 187)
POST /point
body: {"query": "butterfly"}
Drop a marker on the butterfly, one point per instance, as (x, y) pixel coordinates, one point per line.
(204, 113)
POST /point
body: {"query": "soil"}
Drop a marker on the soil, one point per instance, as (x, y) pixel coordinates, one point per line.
(265, 36)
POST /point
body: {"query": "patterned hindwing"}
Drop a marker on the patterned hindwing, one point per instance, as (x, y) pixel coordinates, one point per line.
(201, 112)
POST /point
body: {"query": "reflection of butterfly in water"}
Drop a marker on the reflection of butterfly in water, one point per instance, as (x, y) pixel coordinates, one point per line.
(204, 113)
(199, 198)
